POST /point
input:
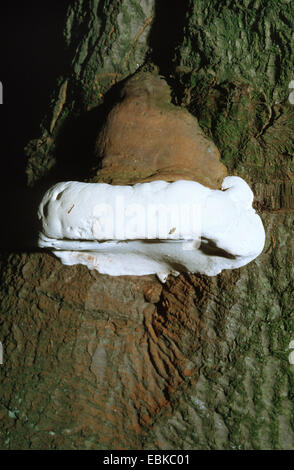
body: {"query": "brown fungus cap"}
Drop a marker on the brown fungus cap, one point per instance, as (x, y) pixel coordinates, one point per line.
(147, 138)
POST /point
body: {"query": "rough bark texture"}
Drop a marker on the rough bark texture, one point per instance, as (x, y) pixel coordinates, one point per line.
(94, 362)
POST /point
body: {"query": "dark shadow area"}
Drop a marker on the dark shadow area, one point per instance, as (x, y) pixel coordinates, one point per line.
(75, 144)
(210, 248)
(167, 32)
(32, 56)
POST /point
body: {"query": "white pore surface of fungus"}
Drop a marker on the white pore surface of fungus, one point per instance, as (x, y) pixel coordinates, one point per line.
(149, 228)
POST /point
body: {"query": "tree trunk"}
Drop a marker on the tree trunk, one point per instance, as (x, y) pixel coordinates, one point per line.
(98, 362)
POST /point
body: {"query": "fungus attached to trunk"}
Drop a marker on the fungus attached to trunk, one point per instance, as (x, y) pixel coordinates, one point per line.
(170, 206)
(155, 227)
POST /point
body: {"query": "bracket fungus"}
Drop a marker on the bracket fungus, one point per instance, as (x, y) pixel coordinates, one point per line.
(161, 201)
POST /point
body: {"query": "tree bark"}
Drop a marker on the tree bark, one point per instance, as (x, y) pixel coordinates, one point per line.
(97, 362)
